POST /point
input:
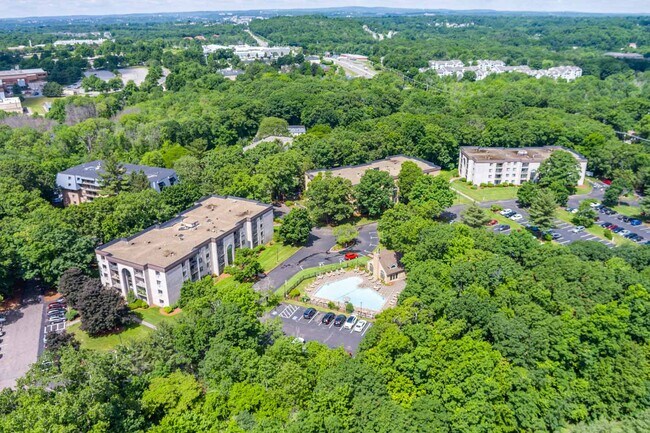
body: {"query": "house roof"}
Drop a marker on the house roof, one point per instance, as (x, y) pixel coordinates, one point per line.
(390, 261)
(93, 169)
(164, 245)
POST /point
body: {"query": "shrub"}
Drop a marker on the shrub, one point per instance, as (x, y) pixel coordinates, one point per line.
(331, 305)
(294, 293)
(483, 185)
(138, 303)
(547, 237)
(168, 309)
(288, 203)
(496, 208)
(349, 307)
(608, 234)
(474, 187)
(71, 314)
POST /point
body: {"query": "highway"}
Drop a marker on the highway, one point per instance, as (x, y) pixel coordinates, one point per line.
(355, 69)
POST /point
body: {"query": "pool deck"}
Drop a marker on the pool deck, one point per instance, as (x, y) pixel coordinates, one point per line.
(390, 292)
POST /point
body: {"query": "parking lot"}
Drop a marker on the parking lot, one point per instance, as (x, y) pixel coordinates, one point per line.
(294, 324)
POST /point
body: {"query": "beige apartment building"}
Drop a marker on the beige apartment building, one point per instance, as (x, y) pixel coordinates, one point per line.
(200, 241)
(392, 165)
(496, 165)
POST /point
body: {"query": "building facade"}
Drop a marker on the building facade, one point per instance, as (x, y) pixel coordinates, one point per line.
(497, 165)
(200, 241)
(386, 265)
(21, 77)
(82, 183)
(10, 105)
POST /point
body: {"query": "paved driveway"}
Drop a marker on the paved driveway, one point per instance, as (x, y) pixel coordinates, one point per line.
(22, 342)
(317, 252)
(293, 323)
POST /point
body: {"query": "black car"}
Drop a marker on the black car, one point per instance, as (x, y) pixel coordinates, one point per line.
(631, 235)
(327, 318)
(503, 227)
(618, 229)
(339, 320)
(555, 235)
(309, 313)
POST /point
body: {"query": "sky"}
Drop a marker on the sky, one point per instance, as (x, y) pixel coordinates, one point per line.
(26, 8)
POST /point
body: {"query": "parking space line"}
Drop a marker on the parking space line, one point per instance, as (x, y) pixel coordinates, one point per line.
(367, 327)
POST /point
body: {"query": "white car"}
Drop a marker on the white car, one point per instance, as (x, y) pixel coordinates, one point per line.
(624, 232)
(578, 229)
(360, 325)
(350, 322)
(594, 204)
(516, 217)
(505, 211)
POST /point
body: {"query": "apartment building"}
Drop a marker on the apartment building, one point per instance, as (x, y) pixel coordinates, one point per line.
(82, 183)
(10, 105)
(21, 77)
(496, 165)
(392, 165)
(200, 241)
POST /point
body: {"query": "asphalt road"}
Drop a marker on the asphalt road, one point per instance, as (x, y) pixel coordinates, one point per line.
(293, 323)
(355, 68)
(22, 342)
(316, 253)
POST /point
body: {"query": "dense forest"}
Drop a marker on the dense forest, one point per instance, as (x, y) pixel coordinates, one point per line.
(492, 333)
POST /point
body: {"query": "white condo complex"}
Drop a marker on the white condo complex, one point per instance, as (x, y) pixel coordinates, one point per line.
(496, 165)
(200, 241)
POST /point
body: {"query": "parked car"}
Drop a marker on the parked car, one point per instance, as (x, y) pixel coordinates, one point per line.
(635, 222)
(360, 325)
(594, 204)
(327, 318)
(351, 256)
(618, 229)
(578, 229)
(509, 214)
(3, 319)
(309, 313)
(639, 239)
(493, 222)
(505, 211)
(339, 320)
(350, 322)
(612, 227)
(56, 319)
(298, 340)
(630, 235)
(624, 232)
(555, 235)
(516, 217)
(503, 227)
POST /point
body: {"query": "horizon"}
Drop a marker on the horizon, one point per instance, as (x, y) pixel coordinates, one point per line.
(92, 8)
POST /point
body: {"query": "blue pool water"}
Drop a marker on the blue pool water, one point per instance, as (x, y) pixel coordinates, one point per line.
(348, 290)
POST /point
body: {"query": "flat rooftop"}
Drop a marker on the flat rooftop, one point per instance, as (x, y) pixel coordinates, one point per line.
(514, 154)
(94, 169)
(165, 244)
(14, 72)
(392, 165)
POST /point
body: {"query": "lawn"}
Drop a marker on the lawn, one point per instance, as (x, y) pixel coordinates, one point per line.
(486, 194)
(132, 333)
(153, 315)
(274, 254)
(631, 211)
(36, 104)
(584, 189)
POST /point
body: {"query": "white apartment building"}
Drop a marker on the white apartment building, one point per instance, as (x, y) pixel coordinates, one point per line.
(11, 105)
(248, 52)
(496, 165)
(200, 241)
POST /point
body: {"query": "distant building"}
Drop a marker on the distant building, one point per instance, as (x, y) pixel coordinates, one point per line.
(313, 59)
(483, 68)
(82, 183)
(296, 130)
(230, 73)
(72, 42)
(203, 240)
(247, 52)
(440, 64)
(386, 265)
(392, 165)
(11, 105)
(357, 57)
(632, 45)
(21, 77)
(496, 165)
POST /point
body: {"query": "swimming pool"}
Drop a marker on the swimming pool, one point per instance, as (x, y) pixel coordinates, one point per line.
(349, 290)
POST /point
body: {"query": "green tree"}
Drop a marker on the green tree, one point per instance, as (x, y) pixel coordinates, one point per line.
(153, 158)
(475, 216)
(171, 395)
(52, 89)
(526, 193)
(70, 285)
(586, 214)
(542, 210)
(112, 178)
(560, 173)
(273, 126)
(296, 227)
(101, 309)
(137, 181)
(345, 234)
(408, 176)
(329, 198)
(246, 267)
(644, 204)
(431, 194)
(374, 193)
(614, 191)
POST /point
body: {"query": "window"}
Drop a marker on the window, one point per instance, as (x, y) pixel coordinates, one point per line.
(158, 282)
(160, 292)
(161, 301)
(157, 273)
